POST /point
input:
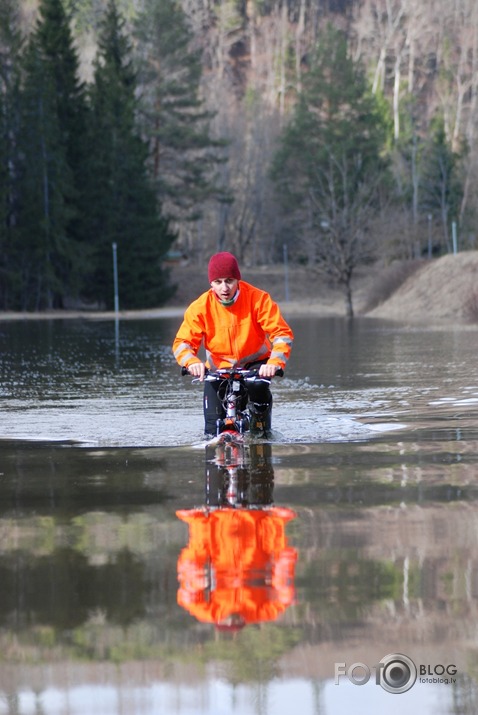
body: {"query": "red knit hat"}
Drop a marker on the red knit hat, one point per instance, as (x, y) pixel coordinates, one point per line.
(223, 265)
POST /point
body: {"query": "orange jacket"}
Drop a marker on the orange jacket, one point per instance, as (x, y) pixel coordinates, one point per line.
(237, 563)
(250, 329)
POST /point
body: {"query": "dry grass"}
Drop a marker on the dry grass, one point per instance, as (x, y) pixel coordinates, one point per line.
(304, 284)
(388, 282)
(441, 290)
(470, 309)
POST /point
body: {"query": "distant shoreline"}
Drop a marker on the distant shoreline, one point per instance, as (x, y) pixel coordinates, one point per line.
(440, 293)
(92, 315)
(295, 307)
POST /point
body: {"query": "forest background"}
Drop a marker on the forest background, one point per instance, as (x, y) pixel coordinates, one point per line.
(328, 133)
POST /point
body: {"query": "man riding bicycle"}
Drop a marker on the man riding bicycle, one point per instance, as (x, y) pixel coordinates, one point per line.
(239, 326)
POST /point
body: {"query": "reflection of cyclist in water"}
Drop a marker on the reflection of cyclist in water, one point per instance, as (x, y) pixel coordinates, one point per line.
(239, 326)
(239, 475)
(237, 567)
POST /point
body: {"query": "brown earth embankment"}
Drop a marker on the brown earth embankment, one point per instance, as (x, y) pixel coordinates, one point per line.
(439, 291)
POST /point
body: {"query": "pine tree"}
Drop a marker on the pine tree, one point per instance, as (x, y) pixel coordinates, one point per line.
(174, 121)
(329, 168)
(122, 204)
(51, 142)
(53, 35)
(45, 192)
(10, 48)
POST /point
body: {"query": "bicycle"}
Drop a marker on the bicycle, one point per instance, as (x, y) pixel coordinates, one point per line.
(240, 416)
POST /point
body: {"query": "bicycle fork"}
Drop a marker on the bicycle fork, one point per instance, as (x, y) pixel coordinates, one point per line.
(231, 420)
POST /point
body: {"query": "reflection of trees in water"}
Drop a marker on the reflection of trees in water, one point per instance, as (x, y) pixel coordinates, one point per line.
(103, 584)
(465, 692)
(62, 589)
(343, 567)
(253, 655)
(63, 482)
(341, 586)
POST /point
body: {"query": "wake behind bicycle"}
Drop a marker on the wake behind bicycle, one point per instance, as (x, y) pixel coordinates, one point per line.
(239, 414)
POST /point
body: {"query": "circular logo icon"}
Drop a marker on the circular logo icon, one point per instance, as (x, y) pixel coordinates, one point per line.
(398, 673)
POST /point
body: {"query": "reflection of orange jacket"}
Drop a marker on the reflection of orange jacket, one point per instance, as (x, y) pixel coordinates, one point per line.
(250, 329)
(237, 562)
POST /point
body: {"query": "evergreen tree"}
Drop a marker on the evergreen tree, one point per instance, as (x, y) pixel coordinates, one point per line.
(122, 203)
(10, 48)
(51, 142)
(184, 157)
(442, 189)
(329, 167)
(53, 36)
(46, 190)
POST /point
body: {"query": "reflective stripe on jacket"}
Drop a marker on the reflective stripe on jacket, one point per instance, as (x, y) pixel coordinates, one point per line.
(250, 329)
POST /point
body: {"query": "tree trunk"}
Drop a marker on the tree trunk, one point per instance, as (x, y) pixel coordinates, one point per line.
(349, 308)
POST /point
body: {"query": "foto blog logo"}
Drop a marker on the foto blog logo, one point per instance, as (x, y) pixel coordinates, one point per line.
(395, 673)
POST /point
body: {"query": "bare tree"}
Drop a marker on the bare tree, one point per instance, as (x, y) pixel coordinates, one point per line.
(242, 224)
(329, 168)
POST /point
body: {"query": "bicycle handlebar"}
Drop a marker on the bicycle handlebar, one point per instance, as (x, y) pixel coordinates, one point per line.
(238, 372)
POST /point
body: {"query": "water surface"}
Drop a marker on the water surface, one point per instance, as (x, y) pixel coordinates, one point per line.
(126, 590)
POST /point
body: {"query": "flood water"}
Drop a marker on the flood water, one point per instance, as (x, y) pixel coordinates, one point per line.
(346, 566)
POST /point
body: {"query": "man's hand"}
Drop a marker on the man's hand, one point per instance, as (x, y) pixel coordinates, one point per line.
(197, 369)
(267, 370)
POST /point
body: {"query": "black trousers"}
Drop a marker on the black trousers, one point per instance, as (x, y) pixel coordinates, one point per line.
(258, 393)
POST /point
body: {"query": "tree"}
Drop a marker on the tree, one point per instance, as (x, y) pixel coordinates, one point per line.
(329, 167)
(184, 156)
(50, 140)
(245, 224)
(442, 187)
(53, 36)
(44, 183)
(10, 49)
(405, 236)
(43, 126)
(122, 204)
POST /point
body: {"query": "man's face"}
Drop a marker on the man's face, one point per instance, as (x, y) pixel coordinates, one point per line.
(225, 288)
